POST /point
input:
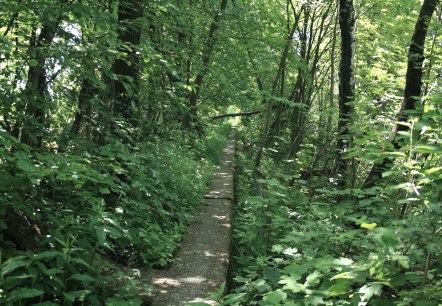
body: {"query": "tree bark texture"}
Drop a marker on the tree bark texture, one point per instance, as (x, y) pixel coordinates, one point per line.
(346, 79)
(127, 65)
(413, 86)
(413, 79)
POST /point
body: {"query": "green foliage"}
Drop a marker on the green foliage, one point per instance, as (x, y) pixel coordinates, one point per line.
(93, 208)
(84, 191)
(304, 242)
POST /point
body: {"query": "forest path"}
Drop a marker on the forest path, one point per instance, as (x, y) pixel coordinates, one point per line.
(201, 263)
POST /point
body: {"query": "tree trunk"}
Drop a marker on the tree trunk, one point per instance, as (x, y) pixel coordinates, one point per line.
(306, 84)
(346, 82)
(264, 139)
(127, 65)
(413, 86)
(331, 102)
(192, 116)
(33, 128)
(299, 88)
(84, 100)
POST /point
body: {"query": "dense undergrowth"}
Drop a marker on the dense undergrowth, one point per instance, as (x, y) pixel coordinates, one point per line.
(301, 240)
(71, 220)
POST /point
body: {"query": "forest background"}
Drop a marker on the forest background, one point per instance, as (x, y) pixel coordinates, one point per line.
(111, 125)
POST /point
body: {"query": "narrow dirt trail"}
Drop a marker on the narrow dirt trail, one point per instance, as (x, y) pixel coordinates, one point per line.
(201, 263)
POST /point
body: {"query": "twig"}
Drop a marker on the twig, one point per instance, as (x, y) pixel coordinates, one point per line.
(237, 114)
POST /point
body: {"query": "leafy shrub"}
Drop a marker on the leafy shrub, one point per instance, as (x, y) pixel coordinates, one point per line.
(307, 243)
(73, 217)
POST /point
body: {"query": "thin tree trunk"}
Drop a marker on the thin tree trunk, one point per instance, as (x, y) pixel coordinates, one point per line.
(84, 100)
(33, 128)
(264, 139)
(299, 88)
(413, 86)
(192, 116)
(432, 58)
(346, 82)
(307, 85)
(331, 96)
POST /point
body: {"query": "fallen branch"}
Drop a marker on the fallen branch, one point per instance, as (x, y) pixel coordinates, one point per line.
(236, 114)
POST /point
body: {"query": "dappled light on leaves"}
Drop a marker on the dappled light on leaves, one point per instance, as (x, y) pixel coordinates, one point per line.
(114, 116)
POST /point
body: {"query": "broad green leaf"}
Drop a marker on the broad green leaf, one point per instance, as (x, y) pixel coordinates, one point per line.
(314, 300)
(14, 263)
(368, 291)
(25, 165)
(101, 235)
(277, 248)
(388, 173)
(128, 88)
(104, 191)
(290, 283)
(240, 279)
(342, 286)
(46, 254)
(403, 123)
(16, 281)
(368, 226)
(272, 274)
(275, 297)
(404, 133)
(24, 293)
(54, 271)
(385, 236)
(427, 149)
(405, 186)
(313, 279)
(343, 261)
(404, 261)
(344, 275)
(290, 251)
(263, 287)
(433, 170)
(81, 262)
(423, 303)
(233, 298)
(296, 269)
(401, 279)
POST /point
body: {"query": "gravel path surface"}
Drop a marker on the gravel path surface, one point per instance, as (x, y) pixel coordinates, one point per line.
(201, 263)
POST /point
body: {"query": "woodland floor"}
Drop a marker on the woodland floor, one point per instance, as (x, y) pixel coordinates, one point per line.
(201, 263)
